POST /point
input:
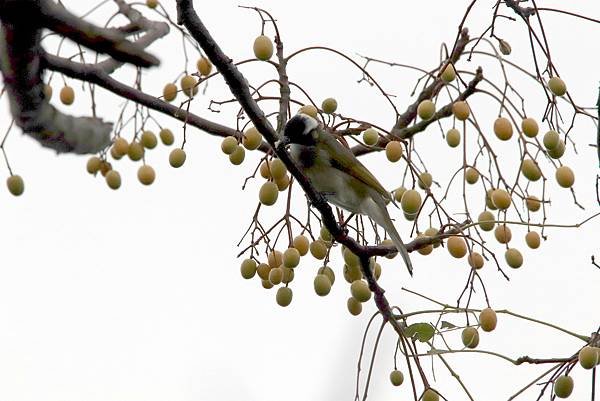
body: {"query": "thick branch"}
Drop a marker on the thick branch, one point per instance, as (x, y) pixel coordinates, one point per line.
(101, 40)
(21, 67)
(94, 74)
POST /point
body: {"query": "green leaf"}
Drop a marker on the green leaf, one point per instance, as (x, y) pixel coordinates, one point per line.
(421, 331)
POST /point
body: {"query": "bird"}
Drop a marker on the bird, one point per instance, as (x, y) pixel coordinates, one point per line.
(335, 172)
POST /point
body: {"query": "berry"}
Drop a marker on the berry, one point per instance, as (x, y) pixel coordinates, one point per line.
(284, 296)
(263, 48)
(488, 319)
(146, 174)
(329, 105)
(177, 157)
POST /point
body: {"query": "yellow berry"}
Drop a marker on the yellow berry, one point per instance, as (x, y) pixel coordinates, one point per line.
(152, 3)
(248, 268)
(411, 201)
(115, 155)
(457, 247)
(350, 258)
(588, 357)
(283, 182)
(501, 199)
(229, 145)
(354, 306)
(263, 48)
(461, 110)
(67, 95)
(488, 199)
(503, 234)
(430, 395)
(177, 157)
(393, 151)
(470, 337)
(530, 127)
(433, 232)
(113, 179)
(565, 177)
(360, 291)
(268, 193)
(328, 271)
(146, 174)
(563, 386)
(475, 260)
(396, 377)
(135, 151)
(370, 136)
(449, 74)
(238, 155)
(284, 296)
(557, 86)
(170, 92)
(105, 167)
(263, 271)
(325, 235)
(251, 139)
(426, 249)
(533, 203)
(276, 275)
(15, 185)
(551, 139)
(93, 164)
(352, 273)
(266, 284)
(322, 285)
(275, 259)
(398, 192)
(486, 220)
(425, 180)
(167, 137)
(488, 319)
(503, 129)
(309, 110)
(318, 249)
(188, 85)
(532, 239)
(531, 170)
(148, 140)
(278, 169)
(329, 105)
(471, 175)
(291, 258)
(204, 66)
(121, 146)
(513, 258)
(453, 137)
(558, 151)
(426, 109)
(301, 243)
(288, 275)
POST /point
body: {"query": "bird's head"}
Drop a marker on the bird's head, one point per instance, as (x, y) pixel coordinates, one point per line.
(300, 129)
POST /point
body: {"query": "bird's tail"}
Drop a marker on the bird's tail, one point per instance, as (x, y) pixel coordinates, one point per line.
(391, 230)
(382, 218)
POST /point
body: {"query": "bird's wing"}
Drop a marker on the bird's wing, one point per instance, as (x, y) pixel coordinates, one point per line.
(343, 159)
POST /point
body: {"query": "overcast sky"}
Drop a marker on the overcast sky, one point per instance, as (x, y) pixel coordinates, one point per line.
(136, 294)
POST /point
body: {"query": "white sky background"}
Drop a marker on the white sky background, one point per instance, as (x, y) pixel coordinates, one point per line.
(136, 294)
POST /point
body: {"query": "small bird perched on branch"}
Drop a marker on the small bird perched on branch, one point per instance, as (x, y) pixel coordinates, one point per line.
(334, 171)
